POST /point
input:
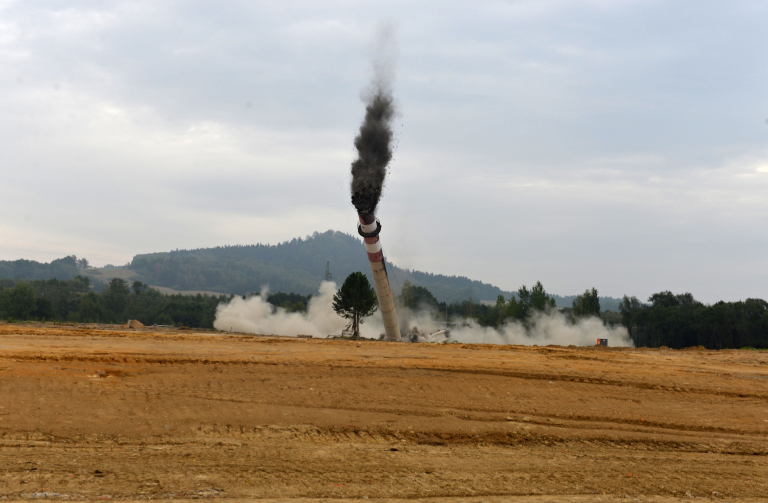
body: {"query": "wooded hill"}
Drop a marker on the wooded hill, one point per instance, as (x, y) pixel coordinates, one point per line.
(296, 266)
(61, 268)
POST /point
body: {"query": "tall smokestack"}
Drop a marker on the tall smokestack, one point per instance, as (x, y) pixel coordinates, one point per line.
(374, 151)
(369, 228)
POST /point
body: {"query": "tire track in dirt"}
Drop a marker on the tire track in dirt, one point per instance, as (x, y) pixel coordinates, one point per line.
(533, 376)
(169, 415)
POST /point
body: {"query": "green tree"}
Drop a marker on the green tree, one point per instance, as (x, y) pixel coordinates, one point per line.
(540, 299)
(633, 316)
(43, 310)
(20, 302)
(406, 296)
(116, 297)
(587, 304)
(355, 300)
(291, 302)
(413, 296)
(754, 323)
(139, 288)
(80, 283)
(89, 309)
(516, 309)
(501, 310)
(523, 303)
(672, 319)
(528, 301)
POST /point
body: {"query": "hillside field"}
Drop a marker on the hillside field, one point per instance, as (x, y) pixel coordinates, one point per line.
(103, 412)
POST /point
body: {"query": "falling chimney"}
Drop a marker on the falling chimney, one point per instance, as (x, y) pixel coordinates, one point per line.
(369, 228)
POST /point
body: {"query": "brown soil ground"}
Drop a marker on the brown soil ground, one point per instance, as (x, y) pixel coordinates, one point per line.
(90, 412)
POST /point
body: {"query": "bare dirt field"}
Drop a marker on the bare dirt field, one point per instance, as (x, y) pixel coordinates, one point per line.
(109, 413)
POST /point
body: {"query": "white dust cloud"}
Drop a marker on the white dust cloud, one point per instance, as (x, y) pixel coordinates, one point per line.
(255, 315)
(542, 329)
(545, 329)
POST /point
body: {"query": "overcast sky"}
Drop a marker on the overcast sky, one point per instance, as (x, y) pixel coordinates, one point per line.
(611, 144)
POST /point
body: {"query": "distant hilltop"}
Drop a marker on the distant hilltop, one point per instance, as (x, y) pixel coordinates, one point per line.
(296, 266)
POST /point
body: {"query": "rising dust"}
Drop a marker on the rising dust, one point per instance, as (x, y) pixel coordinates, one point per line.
(255, 315)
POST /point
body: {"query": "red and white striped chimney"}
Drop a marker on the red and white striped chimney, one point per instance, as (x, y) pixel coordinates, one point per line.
(369, 228)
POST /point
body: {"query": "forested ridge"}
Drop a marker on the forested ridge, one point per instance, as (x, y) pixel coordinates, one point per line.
(296, 266)
(62, 268)
(299, 266)
(292, 266)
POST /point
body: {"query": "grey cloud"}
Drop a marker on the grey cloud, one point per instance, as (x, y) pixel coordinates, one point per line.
(609, 144)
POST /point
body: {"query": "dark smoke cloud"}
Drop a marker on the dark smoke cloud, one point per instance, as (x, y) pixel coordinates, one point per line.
(374, 152)
(374, 141)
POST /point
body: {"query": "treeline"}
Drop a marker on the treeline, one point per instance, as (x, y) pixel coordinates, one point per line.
(674, 321)
(62, 268)
(73, 300)
(291, 302)
(521, 306)
(680, 321)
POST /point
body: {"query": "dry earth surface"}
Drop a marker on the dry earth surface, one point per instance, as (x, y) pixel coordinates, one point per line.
(102, 412)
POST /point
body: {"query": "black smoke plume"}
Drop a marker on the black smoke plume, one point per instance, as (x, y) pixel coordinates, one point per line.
(374, 150)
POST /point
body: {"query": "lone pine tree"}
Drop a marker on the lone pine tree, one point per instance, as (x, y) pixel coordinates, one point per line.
(355, 300)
